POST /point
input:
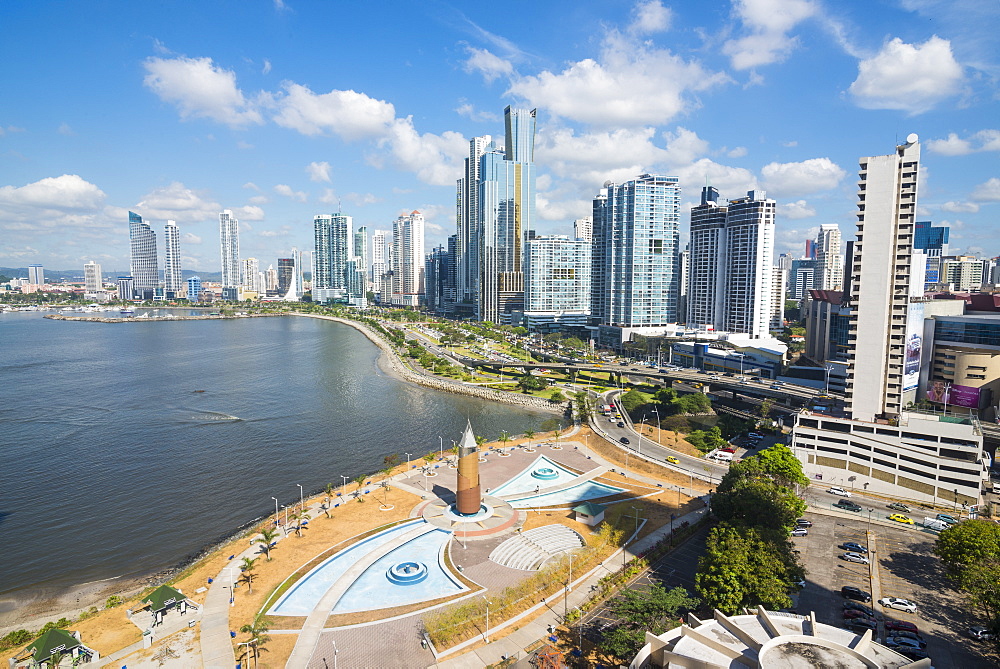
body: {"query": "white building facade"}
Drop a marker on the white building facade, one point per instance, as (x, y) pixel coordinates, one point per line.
(408, 262)
(229, 238)
(173, 281)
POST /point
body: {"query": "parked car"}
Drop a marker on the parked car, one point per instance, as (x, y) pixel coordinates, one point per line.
(837, 490)
(728, 450)
(855, 557)
(900, 518)
(895, 625)
(853, 547)
(905, 642)
(803, 522)
(861, 624)
(911, 653)
(980, 633)
(852, 614)
(857, 594)
(672, 460)
(856, 606)
(903, 634)
(848, 505)
(800, 532)
(899, 604)
(898, 506)
(948, 519)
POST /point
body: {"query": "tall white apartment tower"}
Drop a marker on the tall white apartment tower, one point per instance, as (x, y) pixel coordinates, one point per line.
(583, 228)
(381, 255)
(229, 235)
(408, 260)
(885, 325)
(250, 275)
(829, 263)
(173, 283)
(92, 277)
(706, 272)
(749, 264)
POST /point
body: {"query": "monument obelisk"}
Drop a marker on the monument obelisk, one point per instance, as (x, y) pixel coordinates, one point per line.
(468, 493)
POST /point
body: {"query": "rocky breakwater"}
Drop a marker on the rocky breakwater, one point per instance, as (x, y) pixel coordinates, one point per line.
(401, 369)
(152, 319)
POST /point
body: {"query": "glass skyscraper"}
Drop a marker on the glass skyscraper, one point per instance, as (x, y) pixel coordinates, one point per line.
(145, 272)
(333, 248)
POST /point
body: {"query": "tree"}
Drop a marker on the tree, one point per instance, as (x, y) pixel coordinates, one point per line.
(740, 568)
(764, 410)
(665, 396)
(267, 537)
(970, 553)
(780, 464)
(692, 403)
(528, 382)
(258, 637)
(529, 434)
(749, 497)
(247, 567)
(623, 642)
(633, 399)
(653, 609)
(557, 395)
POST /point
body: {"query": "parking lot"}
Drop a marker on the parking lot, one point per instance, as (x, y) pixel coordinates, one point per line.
(904, 566)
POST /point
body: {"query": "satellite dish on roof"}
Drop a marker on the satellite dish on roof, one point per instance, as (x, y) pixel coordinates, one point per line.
(912, 138)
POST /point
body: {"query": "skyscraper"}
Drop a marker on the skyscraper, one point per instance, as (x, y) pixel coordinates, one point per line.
(829, 262)
(749, 263)
(36, 275)
(933, 241)
(193, 288)
(229, 234)
(707, 262)
(635, 277)
(92, 282)
(467, 217)
(381, 263)
(886, 326)
(506, 216)
(583, 228)
(145, 273)
(408, 262)
(557, 283)
(362, 258)
(250, 275)
(173, 283)
(333, 247)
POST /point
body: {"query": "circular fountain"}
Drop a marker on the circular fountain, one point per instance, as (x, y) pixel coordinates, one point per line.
(407, 573)
(545, 474)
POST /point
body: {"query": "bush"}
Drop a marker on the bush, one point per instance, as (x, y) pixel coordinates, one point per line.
(113, 601)
(15, 638)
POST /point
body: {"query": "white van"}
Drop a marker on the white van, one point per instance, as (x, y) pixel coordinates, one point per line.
(722, 456)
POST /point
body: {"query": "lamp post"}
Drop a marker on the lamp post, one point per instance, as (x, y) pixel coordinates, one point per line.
(827, 369)
(343, 488)
(407, 461)
(440, 447)
(486, 635)
(956, 499)
(286, 517)
(275, 510)
(302, 504)
(336, 652)
(659, 429)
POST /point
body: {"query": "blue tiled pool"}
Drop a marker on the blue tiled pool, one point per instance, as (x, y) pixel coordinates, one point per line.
(542, 473)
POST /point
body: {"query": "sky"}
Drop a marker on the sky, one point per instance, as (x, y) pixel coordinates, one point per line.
(283, 109)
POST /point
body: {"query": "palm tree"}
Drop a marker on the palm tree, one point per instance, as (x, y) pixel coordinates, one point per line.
(247, 568)
(258, 637)
(267, 537)
(528, 435)
(504, 437)
(300, 517)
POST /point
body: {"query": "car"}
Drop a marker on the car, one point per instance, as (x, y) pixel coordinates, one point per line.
(905, 642)
(800, 532)
(755, 435)
(855, 606)
(624, 440)
(799, 583)
(621, 424)
(900, 518)
(853, 614)
(672, 460)
(857, 594)
(837, 490)
(861, 623)
(854, 557)
(951, 520)
(775, 386)
(728, 450)
(980, 633)
(911, 653)
(900, 625)
(899, 604)
(757, 379)
(802, 522)
(898, 506)
(848, 505)
(853, 547)
(913, 636)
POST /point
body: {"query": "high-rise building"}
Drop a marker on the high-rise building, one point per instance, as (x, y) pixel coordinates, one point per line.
(583, 228)
(126, 288)
(933, 241)
(707, 262)
(92, 282)
(557, 283)
(145, 273)
(286, 271)
(173, 282)
(381, 263)
(408, 261)
(829, 262)
(635, 277)
(271, 280)
(229, 235)
(436, 272)
(36, 275)
(886, 326)
(333, 248)
(193, 288)
(964, 273)
(290, 283)
(249, 275)
(363, 257)
(749, 262)
(467, 218)
(810, 249)
(777, 299)
(506, 217)
(801, 278)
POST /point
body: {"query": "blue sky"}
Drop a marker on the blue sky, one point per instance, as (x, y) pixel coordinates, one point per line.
(281, 109)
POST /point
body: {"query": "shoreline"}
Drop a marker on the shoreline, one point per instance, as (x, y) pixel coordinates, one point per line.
(33, 606)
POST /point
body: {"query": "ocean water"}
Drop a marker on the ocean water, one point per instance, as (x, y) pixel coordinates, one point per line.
(126, 448)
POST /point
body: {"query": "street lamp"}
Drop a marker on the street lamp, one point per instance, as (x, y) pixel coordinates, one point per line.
(343, 488)
(302, 505)
(407, 461)
(336, 652)
(659, 429)
(586, 444)
(275, 510)
(486, 635)
(956, 499)
(440, 447)
(286, 517)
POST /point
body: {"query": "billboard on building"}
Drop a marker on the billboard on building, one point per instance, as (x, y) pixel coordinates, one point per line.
(956, 396)
(914, 341)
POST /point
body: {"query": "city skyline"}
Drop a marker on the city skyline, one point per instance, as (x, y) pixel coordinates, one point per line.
(776, 95)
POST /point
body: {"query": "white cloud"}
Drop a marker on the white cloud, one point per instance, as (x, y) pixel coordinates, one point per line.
(486, 63)
(808, 176)
(630, 84)
(248, 213)
(684, 146)
(737, 152)
(790, 144)
(68, 192)
(732, 182)
(318, 171)
(199, 89)
(267, 67)
(953, 145)
(190, 238)
(796, 210)
(9, 129)
(259, 199)
(252, 186)
(347, 114)
(434, 159)
(960, 207)
(65, 129)
(767, 24)
(594, 157)
(908, 77)
(467, 110)
(329, 197)
(988, 191)
(361, 199)
(178, 202)
(650, 16)
(244, 146)
(286, 190)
